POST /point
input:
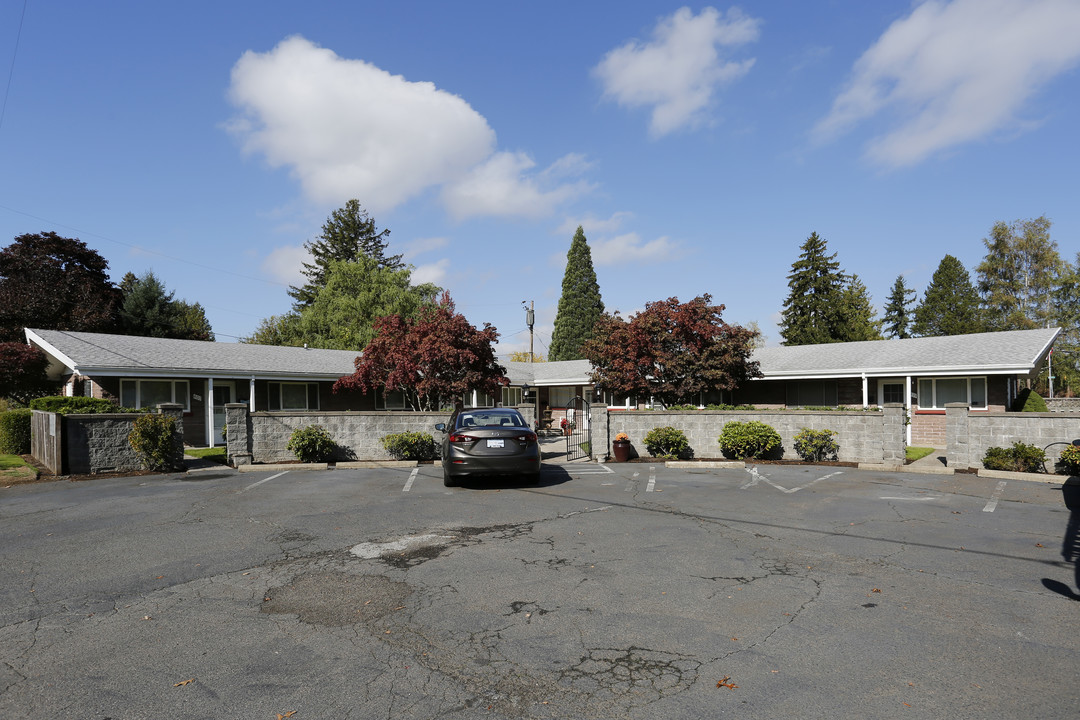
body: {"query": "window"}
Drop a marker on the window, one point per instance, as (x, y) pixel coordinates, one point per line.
(815, 393)
(935, 392)
(619, 401)
(892, 393)
(149, 393)
(293, 396)
(511, 396)
(478, 399)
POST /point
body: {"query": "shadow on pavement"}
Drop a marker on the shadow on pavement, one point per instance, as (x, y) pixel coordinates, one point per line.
(1070, 546)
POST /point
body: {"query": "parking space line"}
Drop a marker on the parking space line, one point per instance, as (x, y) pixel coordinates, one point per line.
(991, 505)
(256, 484)
(652, 480)
(631, 482)
(409, 482)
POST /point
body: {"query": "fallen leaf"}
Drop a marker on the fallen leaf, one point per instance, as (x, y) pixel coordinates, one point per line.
(734, 639)
(147, 617)
(1039, 545)
(185, 682)
(875, 590)
(906, 705)
(286, 715)
(725, 683)
(159, 577)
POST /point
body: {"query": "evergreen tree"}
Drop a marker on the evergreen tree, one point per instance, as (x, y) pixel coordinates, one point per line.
(811, 313)
(1018, 276)
(151, 311)
(950, 305)
(580, 306)
(348, 234)
(858, 318)
(1066, 357)
(898, 309)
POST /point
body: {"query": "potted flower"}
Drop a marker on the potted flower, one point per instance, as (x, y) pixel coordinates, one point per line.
(567, 426)
(621, 447)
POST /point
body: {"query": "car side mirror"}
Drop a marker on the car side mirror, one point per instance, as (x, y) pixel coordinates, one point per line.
(441, 427)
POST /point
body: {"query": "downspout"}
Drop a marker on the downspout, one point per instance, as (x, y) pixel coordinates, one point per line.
(907, 405)
(251, 394)
(865, 393)
(210, 412)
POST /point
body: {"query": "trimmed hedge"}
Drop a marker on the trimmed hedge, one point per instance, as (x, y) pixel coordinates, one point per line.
(311, 444)
(1028, 401)
(152, 437)
(753, 439)
(816, 445)
(1018, 458)
(15, 432)
(666, 442)
(410, 446)
(75, 405)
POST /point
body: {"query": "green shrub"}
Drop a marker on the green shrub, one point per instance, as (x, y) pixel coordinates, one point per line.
(74, 405)
(753, 439)
(410, 446)
(1018, 458)
(153, 438)
(311, 444)
(1069, 463)
(666, 442)
(15, 432)
(816, 445)
(1028, 401)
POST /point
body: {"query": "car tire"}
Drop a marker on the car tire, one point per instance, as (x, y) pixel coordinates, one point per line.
(447, 480)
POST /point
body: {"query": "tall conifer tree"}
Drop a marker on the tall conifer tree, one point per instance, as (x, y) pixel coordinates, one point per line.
(349, 234)
(950, 305)
(580, 306)
(898, 309)
(811, 311)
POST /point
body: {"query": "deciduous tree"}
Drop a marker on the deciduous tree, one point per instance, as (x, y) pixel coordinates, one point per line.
(580, 306)
(1018, 275)
(23, 372)
(898, 309)
(523, 356)
(348, 234)
(54, 283)
(432, 357)
(950, 305)
(672, 351)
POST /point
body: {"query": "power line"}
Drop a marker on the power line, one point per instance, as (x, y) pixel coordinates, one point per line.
(11, 70)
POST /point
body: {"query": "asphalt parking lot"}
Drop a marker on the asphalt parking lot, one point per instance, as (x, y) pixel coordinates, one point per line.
(609, 591)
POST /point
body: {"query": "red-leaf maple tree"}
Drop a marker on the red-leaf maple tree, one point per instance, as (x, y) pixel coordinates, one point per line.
(671, 351)
(23, 372)
(434, 356)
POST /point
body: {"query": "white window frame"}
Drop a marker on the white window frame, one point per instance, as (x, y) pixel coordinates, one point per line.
(511, 396)
(185, 401)
(933, 388)
(476, 399)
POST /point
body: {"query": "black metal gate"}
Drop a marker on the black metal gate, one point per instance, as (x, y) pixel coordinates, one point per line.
(578, 433)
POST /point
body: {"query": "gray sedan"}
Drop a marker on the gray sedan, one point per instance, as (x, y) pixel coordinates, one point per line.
(488, 441)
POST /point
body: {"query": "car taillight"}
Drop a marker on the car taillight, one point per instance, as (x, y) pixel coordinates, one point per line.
(527, 437)
(459, 438)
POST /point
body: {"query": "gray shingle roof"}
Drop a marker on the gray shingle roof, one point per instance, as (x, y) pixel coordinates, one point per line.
(127, 354)
(1014, 351)
(564, 372)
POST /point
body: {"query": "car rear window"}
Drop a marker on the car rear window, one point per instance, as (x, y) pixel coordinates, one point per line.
(490, 419)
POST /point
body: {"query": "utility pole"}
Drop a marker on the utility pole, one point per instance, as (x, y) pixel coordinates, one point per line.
(530, 318)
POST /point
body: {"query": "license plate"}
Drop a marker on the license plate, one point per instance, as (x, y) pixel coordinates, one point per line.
(495, 443)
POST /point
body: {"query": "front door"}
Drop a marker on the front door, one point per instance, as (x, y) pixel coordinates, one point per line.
(224, 391)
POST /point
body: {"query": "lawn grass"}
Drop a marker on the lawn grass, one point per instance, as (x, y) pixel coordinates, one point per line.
(14, 469)
(914, 453)
(215, 454)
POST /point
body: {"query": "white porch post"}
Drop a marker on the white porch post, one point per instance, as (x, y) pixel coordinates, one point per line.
(251, 394)
(210, 412)
(907, 405)
(865, 393)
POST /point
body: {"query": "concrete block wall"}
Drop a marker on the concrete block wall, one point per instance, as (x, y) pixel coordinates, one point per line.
(876, 436)
(98, 443)
(262, 437)
(972, 433)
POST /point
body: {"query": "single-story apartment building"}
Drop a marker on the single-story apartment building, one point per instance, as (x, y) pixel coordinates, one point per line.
(985, 370)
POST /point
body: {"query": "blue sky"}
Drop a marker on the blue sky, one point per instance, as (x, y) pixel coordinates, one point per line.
(698, 145)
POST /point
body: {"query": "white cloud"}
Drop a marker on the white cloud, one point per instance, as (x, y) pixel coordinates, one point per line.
(346, 128)
(955, 72)
(502, 186)
(285, 264)
(430, 273)
(419, 246)
(593, 224)
(678, 72)
(630, 249)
